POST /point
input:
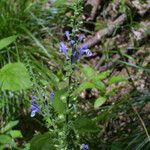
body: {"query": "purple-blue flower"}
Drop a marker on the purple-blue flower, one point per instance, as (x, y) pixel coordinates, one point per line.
(81, 37)
(75, 56)
(84, 50)
(85, 147)
(63, 48)
(72, 42)
(67, 35)
(34, 97)
(51, 97)
(34, 110)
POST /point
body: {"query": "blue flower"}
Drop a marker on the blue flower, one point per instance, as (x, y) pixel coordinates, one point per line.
(34, 97)
(72, 42)
(34, 110)
(63, 48)
(75, 57)
(84, 50)
(51, 97)
(81, 37)
(67, 35)
(33, 102)
(85, 147)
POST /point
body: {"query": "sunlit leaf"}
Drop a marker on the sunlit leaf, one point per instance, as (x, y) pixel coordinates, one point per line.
(9, 126)
(88, 72)
(59, 100)
(7, 41)
(15, 134)
(4, 139)
(14, 76)
(116, 79)
(103, 75)
(100, 101)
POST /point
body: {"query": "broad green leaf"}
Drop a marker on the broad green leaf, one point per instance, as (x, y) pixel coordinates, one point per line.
(116, 79)
(2, 147)
(88, 72)
(84, 86)
(59, 100)
(27, 147)
(7, 41)
(14, 76)
(99, 85)
(15, 134)
(100, 101)
(43, 142)
(103, 75)
(86, 125)
(4, 139)
(9, 126)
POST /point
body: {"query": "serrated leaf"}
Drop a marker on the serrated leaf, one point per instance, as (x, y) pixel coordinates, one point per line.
(86, 125)
(4, 139)
(42, 142)
(100, 101)
(59, 100)
(9, 126)
(116, 79)
(7, 41)
(15, 134)
(14, 76)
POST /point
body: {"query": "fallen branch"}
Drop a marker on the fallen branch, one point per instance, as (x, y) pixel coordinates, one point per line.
(90, 8)
(138, 36)
(104, 32)
(141, 9)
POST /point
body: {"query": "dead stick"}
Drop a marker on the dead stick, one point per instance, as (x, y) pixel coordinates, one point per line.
(104, 32)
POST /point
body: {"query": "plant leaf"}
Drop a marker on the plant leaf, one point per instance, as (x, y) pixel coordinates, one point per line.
(7, 41)
(59, 100)
(15, 134)
(88, 72)
(14, 76)
(43, 142)
(100, 101)
(116, 79)
(84, 86)
(103, 75)
(4, 139)
(86, 125)
(9, 126)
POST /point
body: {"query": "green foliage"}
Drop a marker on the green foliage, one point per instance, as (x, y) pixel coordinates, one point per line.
(13, 15)
(116, 79)
(59, 101)
(8, 135)
(14, 76)
(15, 134)
(44, 141)
(100, 101)
(5, 139)
(7, 41)
(85, 125)
(9, 126)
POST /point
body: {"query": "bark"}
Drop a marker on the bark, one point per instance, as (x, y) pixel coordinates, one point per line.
(90, 9)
